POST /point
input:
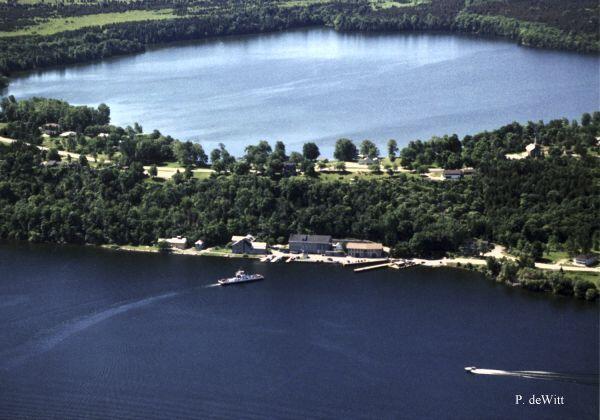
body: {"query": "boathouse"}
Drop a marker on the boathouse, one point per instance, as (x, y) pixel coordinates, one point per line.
(247, 245)
(175, 242)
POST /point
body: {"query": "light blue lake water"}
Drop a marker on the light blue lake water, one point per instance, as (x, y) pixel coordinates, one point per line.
(321, 85)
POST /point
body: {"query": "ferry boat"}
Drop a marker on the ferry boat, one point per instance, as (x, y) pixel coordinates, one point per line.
(470, 369)
(240, 277)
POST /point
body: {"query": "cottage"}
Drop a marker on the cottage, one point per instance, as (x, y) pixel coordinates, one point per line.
(50, 129)
(309, 244)
(586, 259)
(199, 244)
(533, 150)
(247, 245)
(453, 174)
(175, 242)
(364, 249)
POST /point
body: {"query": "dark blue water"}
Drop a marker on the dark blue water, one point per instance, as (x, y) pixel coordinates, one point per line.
(320, 85)
(94, 333)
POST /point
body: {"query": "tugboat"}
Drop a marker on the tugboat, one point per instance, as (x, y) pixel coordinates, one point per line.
(240, 277)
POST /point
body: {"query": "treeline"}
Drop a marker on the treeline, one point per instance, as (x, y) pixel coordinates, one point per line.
(527, 33)
(204, 19)
(557, 137)
(523, 274)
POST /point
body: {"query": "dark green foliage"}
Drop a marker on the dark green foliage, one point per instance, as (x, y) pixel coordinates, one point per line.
(345, 150)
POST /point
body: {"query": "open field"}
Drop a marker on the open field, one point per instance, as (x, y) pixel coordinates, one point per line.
(56, 25)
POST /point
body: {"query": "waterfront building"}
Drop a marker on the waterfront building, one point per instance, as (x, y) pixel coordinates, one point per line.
(199, 244)
(175, 242)
(247, 245)
(309, 244)
(364, 249)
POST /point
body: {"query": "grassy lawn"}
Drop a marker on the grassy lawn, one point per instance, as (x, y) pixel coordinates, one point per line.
(56, 25)
(387, 4)
(556, 256)
(593, 277)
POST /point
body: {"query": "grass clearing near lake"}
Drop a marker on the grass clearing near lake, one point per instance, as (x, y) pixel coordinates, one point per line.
(56, 25)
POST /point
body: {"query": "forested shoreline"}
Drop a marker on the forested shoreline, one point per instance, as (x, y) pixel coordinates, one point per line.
(530, 205)
(547, 29)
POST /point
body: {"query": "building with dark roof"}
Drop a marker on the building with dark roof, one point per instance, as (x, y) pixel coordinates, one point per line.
(309, 244)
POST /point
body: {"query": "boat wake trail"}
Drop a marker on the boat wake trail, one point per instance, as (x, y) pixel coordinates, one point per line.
(47, 342)
(584, 379)
(211, 285)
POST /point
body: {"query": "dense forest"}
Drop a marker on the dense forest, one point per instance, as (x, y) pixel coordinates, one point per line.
(545, 23)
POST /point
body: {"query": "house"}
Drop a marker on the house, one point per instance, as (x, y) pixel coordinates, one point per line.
(586, 259)
(175, 242)
(289, 169)
(247, 245)
(50, 129)
(468, 171)
(199, 244)
(533, 150)
(68, 134)
(309, 244)
(367, 160)
(364, 249)
(453, 174)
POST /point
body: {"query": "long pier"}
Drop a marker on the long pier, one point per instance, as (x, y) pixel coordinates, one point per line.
(397, 265)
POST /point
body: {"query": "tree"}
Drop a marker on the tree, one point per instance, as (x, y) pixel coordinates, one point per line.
(340, 166)
(310, 151)
(53, 154)
(392, 147)
(153, 171)
(163, 246)
(369, 149)
(188, 153)
(345, 150)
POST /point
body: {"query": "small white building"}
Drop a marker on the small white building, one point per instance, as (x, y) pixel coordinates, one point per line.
(453, 174)
(103, 135)
(68, 134)
(586, 259)
(175, 242)
(199, 244)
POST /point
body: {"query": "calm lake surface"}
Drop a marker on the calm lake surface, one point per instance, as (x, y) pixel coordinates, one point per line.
(95, 333)
(321, 85)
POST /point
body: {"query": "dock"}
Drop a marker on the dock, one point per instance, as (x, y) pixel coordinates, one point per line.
(396, 265)
(373, 267)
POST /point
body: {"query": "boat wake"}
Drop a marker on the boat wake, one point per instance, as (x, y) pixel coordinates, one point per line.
(211, 285)
(584, 379)
(47, 342)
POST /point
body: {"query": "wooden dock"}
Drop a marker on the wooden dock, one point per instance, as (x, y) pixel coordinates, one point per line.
(373, 267)
(396, 265)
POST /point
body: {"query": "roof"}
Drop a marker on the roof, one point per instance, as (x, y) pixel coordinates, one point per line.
(319, 239)
(198, 242)
(370, 246)
(237, 238)
(50, 125)
(259, 245)
(453, 172)
(68, 134)
(586, 257)
(175, 240)
(531, 146)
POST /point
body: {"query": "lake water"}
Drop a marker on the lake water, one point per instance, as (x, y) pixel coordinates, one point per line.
(320, 85)
(95, 333)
